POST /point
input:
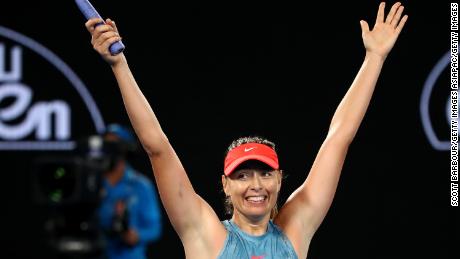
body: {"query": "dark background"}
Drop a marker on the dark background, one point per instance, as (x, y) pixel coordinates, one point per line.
(215, 72)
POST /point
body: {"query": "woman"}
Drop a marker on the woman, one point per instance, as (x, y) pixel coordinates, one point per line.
(252, 178)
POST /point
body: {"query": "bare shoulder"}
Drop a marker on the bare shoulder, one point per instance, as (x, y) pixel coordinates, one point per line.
(207, 239)
(295, 228)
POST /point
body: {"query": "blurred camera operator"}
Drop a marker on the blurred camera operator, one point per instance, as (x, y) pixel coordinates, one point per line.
(129, 212)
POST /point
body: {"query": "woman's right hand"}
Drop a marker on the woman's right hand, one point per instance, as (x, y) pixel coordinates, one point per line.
(102, 36)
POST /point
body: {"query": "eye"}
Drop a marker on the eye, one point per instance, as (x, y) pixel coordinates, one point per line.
(242, 176)
(267, 174)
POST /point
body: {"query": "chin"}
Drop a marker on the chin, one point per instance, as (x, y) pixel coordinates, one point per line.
(257, 212)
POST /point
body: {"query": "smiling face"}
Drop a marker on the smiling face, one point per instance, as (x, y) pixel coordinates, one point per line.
(253, 189)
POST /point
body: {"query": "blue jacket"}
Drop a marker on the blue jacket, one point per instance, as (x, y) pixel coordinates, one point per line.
(139, 196)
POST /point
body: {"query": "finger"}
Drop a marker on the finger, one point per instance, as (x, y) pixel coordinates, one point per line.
(106, 44)
(380, 13)
(392, 12)
(401, 24)
(105, 36)
(397, 16)
(112, 23)
(91, 23)
(364, 26)
(99, 30)
(108, 38)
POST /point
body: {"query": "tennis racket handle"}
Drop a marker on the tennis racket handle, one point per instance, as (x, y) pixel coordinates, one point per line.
(88, 10)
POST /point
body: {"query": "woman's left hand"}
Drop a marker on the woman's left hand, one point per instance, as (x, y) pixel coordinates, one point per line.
(385, 32)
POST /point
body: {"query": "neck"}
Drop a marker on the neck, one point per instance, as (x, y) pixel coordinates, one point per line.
(115, 175)
(253, 226)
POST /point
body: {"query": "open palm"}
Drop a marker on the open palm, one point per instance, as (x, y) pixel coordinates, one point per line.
(382, 37)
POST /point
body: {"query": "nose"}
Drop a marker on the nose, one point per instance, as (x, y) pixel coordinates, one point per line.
(256, 183)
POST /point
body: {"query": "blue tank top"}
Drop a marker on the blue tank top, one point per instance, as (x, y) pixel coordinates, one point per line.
(271, 245)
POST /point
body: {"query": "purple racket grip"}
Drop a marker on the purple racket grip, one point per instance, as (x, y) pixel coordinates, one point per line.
(88, 10)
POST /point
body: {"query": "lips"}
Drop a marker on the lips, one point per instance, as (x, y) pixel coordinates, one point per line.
(256, 199)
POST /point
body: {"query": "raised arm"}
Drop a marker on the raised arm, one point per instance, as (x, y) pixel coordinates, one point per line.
(187, 212)
(307, 206)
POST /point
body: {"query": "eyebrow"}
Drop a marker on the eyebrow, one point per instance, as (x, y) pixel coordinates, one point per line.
(254, 170)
